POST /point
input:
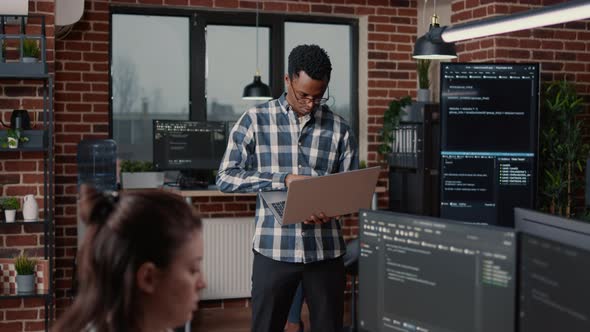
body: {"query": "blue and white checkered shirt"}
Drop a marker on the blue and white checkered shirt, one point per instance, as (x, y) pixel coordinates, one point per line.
(268, 142)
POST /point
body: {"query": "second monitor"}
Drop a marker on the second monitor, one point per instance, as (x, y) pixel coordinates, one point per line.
(195, 148)
(421, 274)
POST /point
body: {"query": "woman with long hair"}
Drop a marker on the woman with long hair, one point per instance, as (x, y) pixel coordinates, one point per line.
(140, 265)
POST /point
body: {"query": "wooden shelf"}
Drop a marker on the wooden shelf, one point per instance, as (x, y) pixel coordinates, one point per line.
(21, 223)
(11, 293)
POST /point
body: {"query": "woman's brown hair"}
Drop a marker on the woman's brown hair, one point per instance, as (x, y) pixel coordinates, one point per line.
(123, 232)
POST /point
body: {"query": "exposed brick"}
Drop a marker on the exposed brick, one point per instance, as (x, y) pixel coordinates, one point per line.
(21, 314)
(10, 326)
(21, 240)
(34, 326)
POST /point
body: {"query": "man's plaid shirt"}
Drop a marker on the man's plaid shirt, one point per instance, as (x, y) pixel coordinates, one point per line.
(268, 142)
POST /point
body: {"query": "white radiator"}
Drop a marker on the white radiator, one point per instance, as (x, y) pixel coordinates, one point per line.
(228, 257)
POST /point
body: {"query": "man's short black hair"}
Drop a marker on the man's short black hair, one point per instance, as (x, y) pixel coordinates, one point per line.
(312, 59)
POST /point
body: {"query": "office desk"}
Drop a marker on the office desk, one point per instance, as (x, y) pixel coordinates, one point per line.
(189, 194)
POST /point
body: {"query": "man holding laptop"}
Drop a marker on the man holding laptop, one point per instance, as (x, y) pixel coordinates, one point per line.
(272, 145)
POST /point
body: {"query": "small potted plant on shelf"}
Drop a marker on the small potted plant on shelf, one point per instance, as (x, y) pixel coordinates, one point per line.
(25, 273)
(12, 139)
(10, 205)
(140, 174)
(31, 51)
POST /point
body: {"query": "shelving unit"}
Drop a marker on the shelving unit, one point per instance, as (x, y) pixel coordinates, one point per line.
(40, 140)
(414, 162)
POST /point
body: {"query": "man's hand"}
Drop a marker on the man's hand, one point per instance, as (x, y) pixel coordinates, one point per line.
(294, 177)
(317, 219)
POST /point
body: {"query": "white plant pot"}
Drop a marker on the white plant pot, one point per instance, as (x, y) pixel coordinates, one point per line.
(142, 180)
(12, 142)
(25, 283)
(30, 208)
(28, 59)
(423, 95)
(10, 215)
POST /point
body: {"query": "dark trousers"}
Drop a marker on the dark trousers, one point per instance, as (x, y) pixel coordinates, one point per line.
(274, 284)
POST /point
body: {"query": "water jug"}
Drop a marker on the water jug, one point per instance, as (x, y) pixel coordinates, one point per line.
(30, 208)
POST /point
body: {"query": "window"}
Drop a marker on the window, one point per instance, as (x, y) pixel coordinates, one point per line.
(150, 78)
(169, 63)
(230, 68)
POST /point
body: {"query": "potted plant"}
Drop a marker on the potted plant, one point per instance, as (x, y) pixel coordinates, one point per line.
(12, 139)
(25, 273)
(10, 205)
(391, 119)
(31, 50)
(423, 68)
(562, 151)
(140, 174)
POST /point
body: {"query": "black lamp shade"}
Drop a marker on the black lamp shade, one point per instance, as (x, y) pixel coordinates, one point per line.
(428, 49)
(257, 90)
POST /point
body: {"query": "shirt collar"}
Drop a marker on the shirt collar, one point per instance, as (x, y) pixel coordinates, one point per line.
(286, 108)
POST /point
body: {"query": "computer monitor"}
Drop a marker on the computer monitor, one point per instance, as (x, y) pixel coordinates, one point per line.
(195, 148)
(422, 274)
(489, 125)
(554, 269)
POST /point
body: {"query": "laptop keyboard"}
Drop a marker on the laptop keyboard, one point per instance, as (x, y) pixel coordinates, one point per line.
(279, 207)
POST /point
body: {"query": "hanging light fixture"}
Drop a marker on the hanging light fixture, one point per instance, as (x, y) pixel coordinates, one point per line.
(560, 13)
(427, 47)
(257, 90)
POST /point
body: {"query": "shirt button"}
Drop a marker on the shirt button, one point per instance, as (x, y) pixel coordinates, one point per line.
(299, 166)
(303, 233)
(299, 143)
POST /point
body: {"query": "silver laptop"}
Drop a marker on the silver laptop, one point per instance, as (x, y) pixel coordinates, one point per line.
(334, 195)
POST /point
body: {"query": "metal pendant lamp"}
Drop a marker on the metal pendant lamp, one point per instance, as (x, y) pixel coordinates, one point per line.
(257, 90)
(427, 47)
(438, 41)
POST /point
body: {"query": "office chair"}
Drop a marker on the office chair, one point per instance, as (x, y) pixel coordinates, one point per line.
(351, 259)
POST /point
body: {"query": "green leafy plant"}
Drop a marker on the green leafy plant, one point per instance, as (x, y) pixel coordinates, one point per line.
(31, 48)
(133, 166)
(10, 203)
(15, 135)
(423, 67)
(562, 152)
(362, 164)
(24, 265)
(391, 119)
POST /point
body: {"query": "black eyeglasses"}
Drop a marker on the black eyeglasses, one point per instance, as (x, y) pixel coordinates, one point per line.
(306, 100)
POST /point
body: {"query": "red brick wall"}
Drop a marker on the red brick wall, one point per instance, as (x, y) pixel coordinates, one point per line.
(563, 50)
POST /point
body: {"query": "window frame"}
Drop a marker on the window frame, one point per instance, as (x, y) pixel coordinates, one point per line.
(198, 21)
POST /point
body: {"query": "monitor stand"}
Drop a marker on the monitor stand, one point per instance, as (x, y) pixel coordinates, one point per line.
(194, 179)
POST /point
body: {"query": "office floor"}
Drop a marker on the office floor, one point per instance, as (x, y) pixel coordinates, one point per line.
(238, 319)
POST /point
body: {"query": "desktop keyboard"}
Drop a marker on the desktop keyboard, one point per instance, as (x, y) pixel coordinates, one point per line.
(279, 207)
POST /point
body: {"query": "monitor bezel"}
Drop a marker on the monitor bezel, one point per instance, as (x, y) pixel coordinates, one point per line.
(555, 228)
(536, 121)
(185, 169)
